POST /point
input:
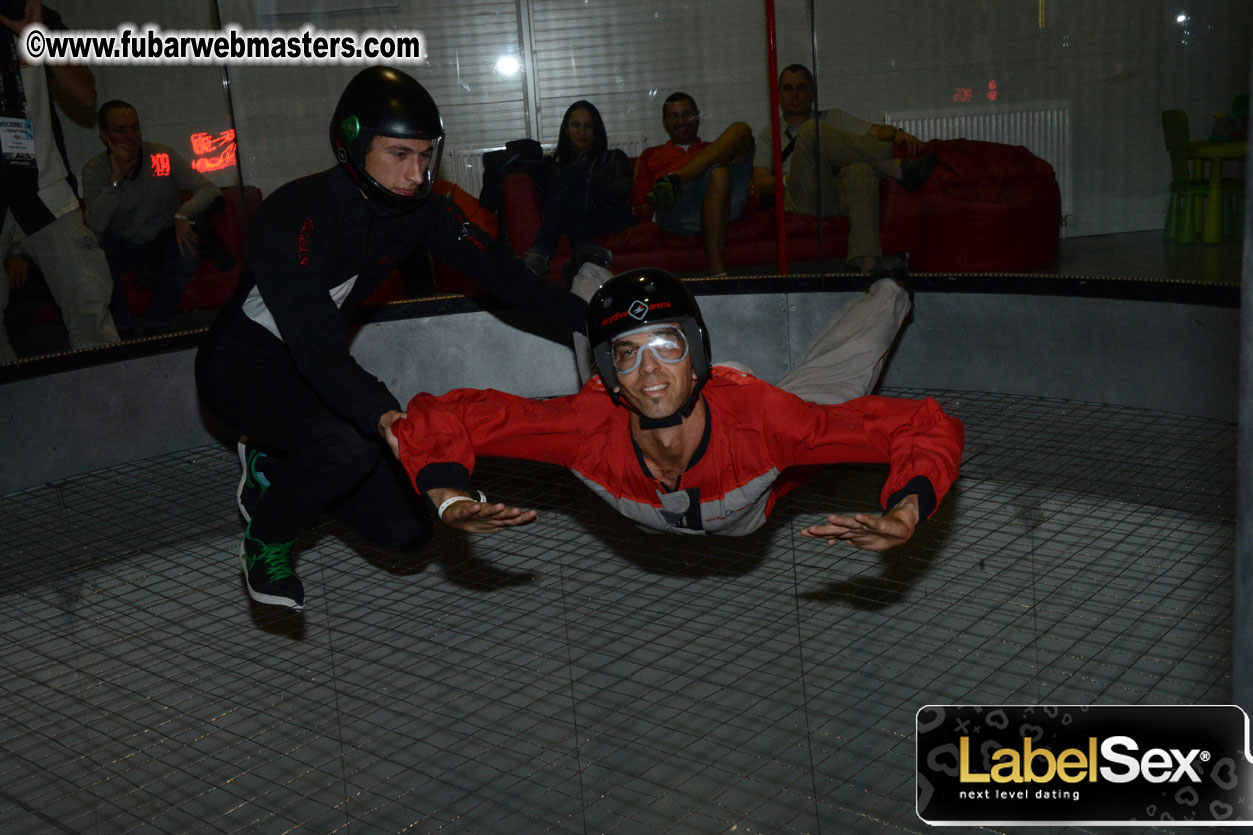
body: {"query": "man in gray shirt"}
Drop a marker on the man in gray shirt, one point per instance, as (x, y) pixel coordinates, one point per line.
(852, 155)
(135, 209)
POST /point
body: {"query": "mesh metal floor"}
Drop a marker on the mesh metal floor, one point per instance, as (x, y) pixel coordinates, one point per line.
(578, 676)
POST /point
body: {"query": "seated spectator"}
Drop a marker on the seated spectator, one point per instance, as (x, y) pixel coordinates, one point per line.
(696, 186)
(587, 193)
(135, 209)
(852, 155)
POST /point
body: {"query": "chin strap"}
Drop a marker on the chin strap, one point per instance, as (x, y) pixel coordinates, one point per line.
(374, 192)
(674, 419)
(661, 423)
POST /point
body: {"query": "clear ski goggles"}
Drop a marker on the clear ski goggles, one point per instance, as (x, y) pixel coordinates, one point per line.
(666, 342)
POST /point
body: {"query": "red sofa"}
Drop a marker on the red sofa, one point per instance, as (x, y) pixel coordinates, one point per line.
(210, 287)
(987, 207)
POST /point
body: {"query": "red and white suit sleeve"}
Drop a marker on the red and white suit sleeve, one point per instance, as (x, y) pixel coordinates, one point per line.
(914, 437)
(441, 437)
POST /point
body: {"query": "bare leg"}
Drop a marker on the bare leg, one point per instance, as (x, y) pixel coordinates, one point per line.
(715, 218)
(733, 145)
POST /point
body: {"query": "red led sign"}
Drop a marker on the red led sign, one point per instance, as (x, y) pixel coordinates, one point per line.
(160, 164)
(213, 152)
(962, 95)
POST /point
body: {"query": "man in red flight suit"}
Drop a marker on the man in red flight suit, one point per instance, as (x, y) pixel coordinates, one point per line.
(679, 446)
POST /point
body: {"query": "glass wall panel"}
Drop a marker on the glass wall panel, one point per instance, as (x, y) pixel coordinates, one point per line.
(1081, 85)
(183, 106)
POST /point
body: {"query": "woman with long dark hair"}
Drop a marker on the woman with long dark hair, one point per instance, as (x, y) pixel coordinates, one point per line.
(587, 195)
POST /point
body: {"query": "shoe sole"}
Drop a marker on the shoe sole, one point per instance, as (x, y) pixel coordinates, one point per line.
(243, 482)
(268, 599)
(922, 178)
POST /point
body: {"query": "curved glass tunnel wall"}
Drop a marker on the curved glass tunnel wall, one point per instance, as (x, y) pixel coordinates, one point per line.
(1116, 64)
(578, 675)
(1169, 356)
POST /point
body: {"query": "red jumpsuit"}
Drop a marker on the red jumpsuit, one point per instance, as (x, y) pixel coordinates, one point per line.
(755, 433)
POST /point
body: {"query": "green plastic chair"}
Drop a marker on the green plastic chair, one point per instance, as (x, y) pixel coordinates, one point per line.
(1188, 193)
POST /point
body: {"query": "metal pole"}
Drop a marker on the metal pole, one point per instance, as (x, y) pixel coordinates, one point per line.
(822, 210)
(1242, 616)
(230, 104)
(530, 76)
(772, 69)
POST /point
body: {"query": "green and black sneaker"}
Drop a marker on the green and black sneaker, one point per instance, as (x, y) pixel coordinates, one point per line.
(665, 192)
(270, 572)
(252, 483)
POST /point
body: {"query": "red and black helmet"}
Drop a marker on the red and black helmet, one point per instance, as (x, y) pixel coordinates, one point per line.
(637, 298)
(382, 101)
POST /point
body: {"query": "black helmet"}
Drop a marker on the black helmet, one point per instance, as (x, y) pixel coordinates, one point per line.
(641, 297)
(381, 101)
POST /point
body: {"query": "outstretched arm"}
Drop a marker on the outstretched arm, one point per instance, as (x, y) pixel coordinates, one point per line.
(474, 516)
(921, 444)
(459, 508)
(868, 531)
(443, 228)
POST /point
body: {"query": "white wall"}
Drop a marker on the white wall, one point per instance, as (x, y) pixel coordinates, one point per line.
(1118, 62)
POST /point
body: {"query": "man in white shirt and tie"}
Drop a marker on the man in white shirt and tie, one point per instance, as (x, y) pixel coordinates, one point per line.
(852, 155)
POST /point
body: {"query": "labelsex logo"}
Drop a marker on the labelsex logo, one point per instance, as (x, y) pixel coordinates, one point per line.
(1039, 765)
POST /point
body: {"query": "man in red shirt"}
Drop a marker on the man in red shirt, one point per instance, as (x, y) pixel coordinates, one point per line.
(696, 186)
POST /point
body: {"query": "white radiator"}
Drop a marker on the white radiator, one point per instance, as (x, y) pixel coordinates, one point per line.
(1044, 128)
(630, 147)
(464, 166)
